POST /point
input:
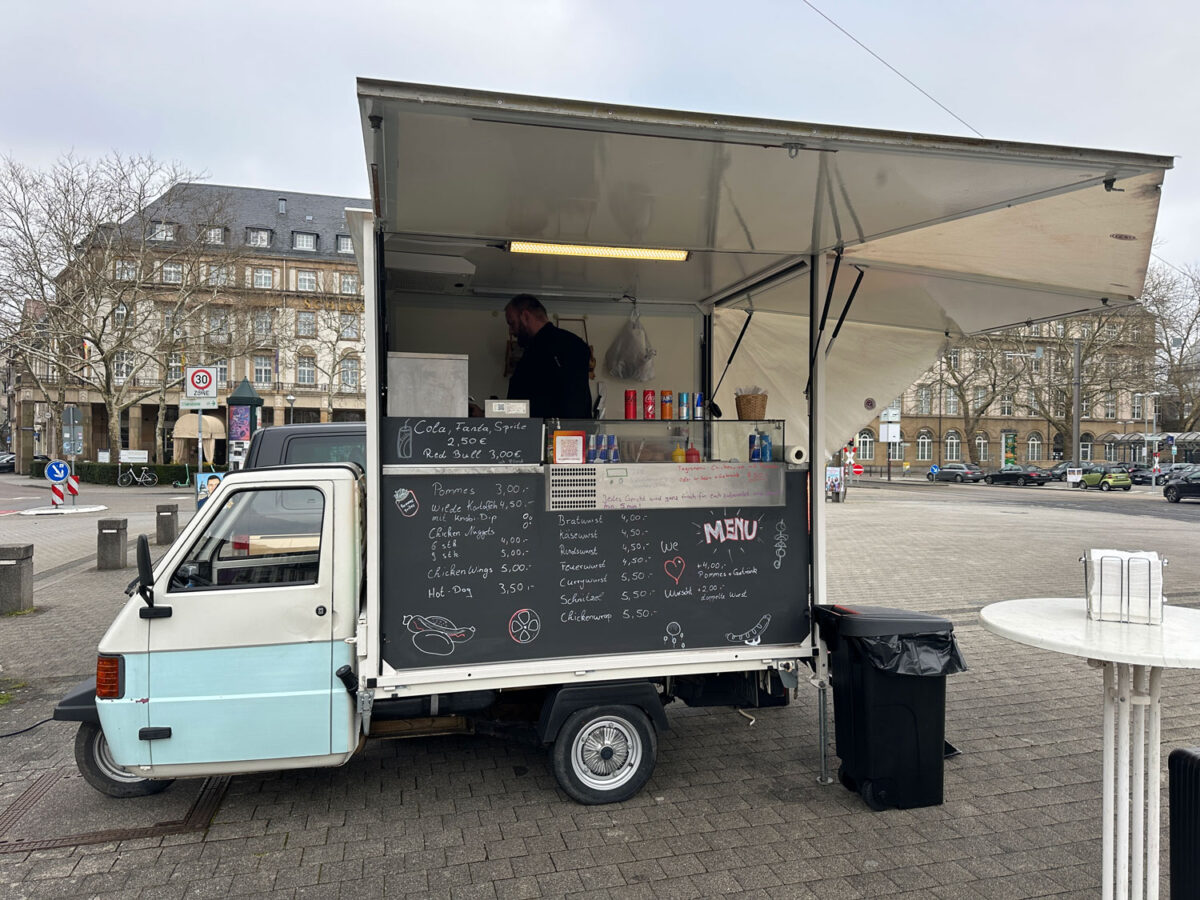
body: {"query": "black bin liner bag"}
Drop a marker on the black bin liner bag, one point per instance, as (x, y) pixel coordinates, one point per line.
(935, 653)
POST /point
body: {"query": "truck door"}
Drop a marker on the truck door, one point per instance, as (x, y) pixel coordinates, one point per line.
(242, 670)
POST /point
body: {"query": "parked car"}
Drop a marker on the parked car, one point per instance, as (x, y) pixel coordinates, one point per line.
(959, 472)
(1059, 471)
(1015, 473)
(1183, 487)
(1140, 473)
(8, 462)
(1106, 478)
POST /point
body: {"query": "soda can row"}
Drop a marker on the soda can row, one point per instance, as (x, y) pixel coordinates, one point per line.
(603, 448)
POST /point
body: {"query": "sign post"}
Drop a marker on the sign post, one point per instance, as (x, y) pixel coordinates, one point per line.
(199, 387)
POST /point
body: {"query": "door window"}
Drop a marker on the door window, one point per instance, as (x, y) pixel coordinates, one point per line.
(260, 538)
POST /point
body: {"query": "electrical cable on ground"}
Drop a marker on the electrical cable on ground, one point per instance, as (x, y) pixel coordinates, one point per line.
(23, 730)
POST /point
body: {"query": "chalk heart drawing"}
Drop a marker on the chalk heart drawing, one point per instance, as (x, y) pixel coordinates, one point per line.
(674, 567)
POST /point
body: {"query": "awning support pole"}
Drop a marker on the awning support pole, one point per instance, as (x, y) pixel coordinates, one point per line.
(816, 493)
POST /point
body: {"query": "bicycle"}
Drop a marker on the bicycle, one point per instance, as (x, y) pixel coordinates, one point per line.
(187, 478)
(146, 478)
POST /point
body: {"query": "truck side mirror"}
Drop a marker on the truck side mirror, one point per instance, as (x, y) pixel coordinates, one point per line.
(145, 570)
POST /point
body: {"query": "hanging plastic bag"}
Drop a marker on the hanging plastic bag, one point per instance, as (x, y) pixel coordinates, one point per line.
(630, 357)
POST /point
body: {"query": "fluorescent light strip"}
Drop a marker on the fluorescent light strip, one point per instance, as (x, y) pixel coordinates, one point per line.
(596, 252)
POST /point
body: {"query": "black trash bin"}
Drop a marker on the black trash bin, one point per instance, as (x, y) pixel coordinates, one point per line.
(888, 668)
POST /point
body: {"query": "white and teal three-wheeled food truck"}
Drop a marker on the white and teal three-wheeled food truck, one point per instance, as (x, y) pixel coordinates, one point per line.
(480, 574)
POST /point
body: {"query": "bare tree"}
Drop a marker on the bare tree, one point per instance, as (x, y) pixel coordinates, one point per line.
(117, 263)
(326, 341)
(1173, 296)
(979, 371)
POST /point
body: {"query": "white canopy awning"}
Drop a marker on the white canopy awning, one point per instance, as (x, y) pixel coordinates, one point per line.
(185, 427)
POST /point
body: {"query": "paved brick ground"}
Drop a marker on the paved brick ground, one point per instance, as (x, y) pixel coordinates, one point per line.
(733, 808)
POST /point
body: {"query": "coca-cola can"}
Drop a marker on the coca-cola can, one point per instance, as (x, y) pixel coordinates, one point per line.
(631, 404)
(648, 404)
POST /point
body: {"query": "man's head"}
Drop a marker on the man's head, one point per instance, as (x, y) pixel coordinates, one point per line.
(525, 316)
(213, 481)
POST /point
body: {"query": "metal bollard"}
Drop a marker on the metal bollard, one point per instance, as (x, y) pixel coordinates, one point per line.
(166, 523)
(16, 578)
(112, 544)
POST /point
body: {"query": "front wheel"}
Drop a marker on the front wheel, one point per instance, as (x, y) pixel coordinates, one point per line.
(1172, 495)
(1083, 485)
(605, 754)
(98, 769)
(125, 479)
(150, 480)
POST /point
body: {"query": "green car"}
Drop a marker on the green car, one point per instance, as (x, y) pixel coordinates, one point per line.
(1105, 478)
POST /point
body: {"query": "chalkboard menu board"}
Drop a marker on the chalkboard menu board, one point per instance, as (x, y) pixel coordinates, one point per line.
(431, 441)
(475, 570)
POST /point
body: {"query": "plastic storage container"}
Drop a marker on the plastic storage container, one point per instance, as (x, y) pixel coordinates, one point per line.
(889, 668)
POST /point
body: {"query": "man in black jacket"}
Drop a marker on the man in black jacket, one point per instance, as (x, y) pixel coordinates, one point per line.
(553, 372)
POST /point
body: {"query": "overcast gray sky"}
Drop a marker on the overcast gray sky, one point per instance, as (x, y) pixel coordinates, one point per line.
(261, 93)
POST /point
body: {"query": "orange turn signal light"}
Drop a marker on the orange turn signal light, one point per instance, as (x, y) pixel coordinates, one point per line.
(108, 677)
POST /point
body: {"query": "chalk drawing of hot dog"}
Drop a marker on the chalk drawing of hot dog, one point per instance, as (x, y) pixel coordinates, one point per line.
(435, 635)
(753, 636)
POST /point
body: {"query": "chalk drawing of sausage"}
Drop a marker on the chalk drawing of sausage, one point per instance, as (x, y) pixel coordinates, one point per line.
(436, 635)
(753, 636)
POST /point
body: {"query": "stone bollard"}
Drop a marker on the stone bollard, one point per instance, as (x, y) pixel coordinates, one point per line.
(16, 578)
(112, 544)
(166, 523)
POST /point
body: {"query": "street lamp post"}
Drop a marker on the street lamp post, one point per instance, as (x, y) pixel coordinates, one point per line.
(1150, 416)
(291, 399)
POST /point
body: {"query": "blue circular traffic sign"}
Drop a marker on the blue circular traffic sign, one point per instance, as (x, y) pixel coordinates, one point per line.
(57, 471)
(934, 469)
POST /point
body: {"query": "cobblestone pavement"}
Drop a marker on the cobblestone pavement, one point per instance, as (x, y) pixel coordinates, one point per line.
(733, 807)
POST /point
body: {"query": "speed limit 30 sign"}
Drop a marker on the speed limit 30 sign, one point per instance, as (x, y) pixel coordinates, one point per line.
(200, 382)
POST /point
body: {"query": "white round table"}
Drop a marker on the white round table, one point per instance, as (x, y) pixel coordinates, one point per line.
(1133, 657)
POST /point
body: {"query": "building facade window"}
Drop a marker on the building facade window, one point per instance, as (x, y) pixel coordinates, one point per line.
(979, 402)
(1031, 402)
(924, 447)
(348, 327)
(1033, 447)
(866, 445)
(222, 372)
(220, 276)
(174, 366)
(924, 400)
(120, 315)
(1085, 406)
(304, 240)
(264, 278)
(162, 231)
(1085, 447)
(122, 366)
(306, 323)
(125, 270)
(348, 373)
(218, 326)
(1060, 328)
(953, 358)
(344, 244)
(306, 280)
(262, 323)
(896, 451)
(349, 283)
(1136, 406)
(258, 237)
(214, 234)
(1110, 452)
(306, 370)
(264, 369)
(953, 446)
(952, 403)
(981, 447)
(1006, 404)
(1036, 329)
(172, 273)
(1110, 405)
(172, 330)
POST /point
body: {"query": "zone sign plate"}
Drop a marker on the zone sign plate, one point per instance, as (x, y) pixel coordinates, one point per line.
(200, 382)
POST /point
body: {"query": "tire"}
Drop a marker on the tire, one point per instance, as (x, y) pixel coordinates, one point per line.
(1172, 495)
(150, 480)
(874, 797)
(1020, 482)
(987, 479)
(96, 765)
(125, 479)
(1083, 485)
(605, 754)
(930, 476)
(958, 478)
(1127, 488)
(1105, 486)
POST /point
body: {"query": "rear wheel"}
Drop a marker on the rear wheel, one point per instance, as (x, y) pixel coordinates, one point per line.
(605, 754)
(1105, 486)
(1127, 487)
(1172, 495)
(98, 768)
(1083, 485)
(958, 478)
(874, 796)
